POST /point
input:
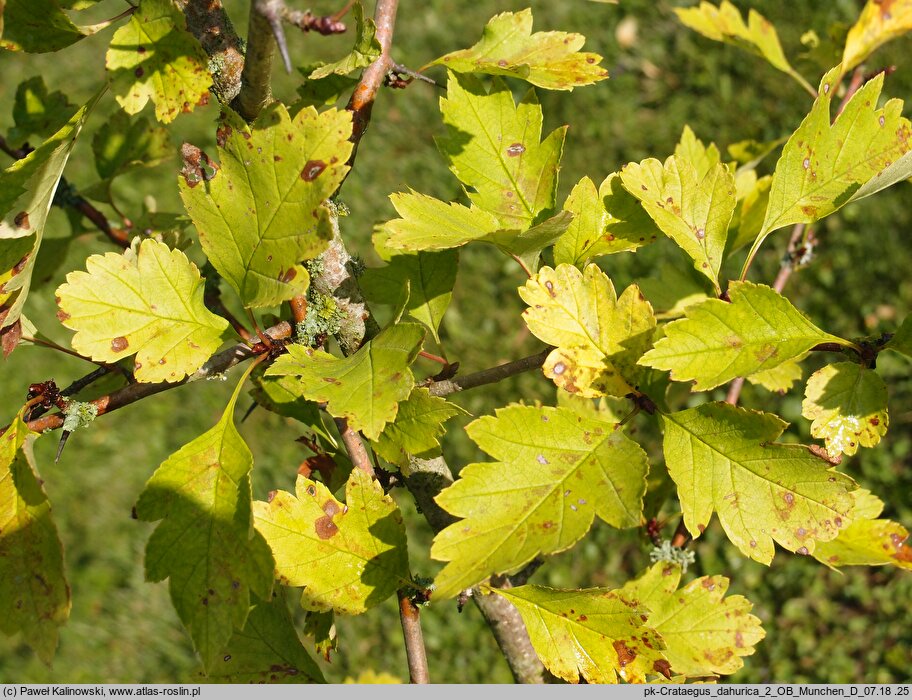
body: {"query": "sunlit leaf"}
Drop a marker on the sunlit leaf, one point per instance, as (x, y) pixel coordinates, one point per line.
(848, 406)
(549, 60)
(598, 337)
(718, 341)
(34, 594)
(556, 472)
(154, 57)
(780, 378)
(366, 387)
(880, 21)
(725, 459)
(365, 51)
(822, 166)
(347, 557)
(149, 303)
(705, 632)
(267, 650)
(417, 428)
(262, 211)
(595, 634)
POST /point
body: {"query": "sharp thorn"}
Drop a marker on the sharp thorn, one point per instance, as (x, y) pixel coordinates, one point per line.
(64, 436)
(275, 22)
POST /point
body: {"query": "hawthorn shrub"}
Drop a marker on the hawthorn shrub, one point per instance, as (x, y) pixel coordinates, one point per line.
(259, 271)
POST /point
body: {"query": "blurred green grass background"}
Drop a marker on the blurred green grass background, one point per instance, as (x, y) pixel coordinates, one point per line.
(822, 626)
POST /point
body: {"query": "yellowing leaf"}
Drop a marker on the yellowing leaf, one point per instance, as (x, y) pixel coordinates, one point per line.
(594, 634)
(155, 58)
(867, 541)
(493, 146)
(724, 459)
(550, 60)
(27, 191)
(692, 208)
(348, 557)
(705, 633)
(848, 404)
(880, 21)
(822, 165)
(149, 303)
(599, 337)
(429, 224)
(780, 378)
(364, 388)
(718, 341)
(418, 425)
(205, 544)
(34, 594)
(263, 211)
(557, 471)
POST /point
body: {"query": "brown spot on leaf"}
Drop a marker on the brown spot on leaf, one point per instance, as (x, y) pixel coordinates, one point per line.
(271, 495)
(139, 72)
(502, 62)
(662, 666)
(803, 551)
(516, 149)
(312, 170)
(331, 507)
(21, 219)
(325, 527)
(626, 655)
(222, 134)
(739, 639)
(874, 421)
(119, 344)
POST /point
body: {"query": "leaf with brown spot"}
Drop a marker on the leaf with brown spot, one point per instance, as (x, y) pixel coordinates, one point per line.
(705, 632)
(346, 557)
(879, 22)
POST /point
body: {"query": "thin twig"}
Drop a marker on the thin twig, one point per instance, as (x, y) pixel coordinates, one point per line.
(488, 376)
(354, 445)
(410, 618)
(256, 83)
(415, 75)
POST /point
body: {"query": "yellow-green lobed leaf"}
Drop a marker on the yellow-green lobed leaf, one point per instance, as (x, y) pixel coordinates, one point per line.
(718, 341)
(262, 211)
(365, 51)
(550, 60)
(417, 428)
(880, 21)
(347, 557)
(149, 303)
(557, 471)
(725, 459)
(848, 406)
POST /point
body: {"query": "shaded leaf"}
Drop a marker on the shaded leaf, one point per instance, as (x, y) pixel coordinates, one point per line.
(324, 92)
(365, 51)
(718, 341)
(364, 388)
(38, 112)
(705, 632)
(780, 378)
(417, 428)
(902, 340)
(149, 303)
(263, 211)
(27, 191)
(595, 634)
(848, 406)
(672, 288)
(880, 21)
(34, 594)
(550, 60)
(154, 57)
(724, 459)
(557, 471)
(267, 650)
(205, 543)
(40, 26)
(125, 145)
(321, 626)
(753, 199)
(347, 557)
(822, 165)
(598, 337)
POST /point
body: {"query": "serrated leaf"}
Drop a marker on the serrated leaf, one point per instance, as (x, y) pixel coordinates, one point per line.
(893, 173)
(321, 93)
(724, 459)
(779, 379)
(36, 111)
(40, 26)
(557, 471)
(672, 288)
(878, 23)
(321, 627)
(126, 144)
(691, 208)
(347, 557)
(902, 340)
(822, 165)
(365, 388)
(594, 634)
(154, 57)
(263, 210)
(365, 51)
(550, 60)
(205, 543)
(692, 150)
(705, 633)
(27, 191)
(867, 541)
(429, 224)
(598, 337)
(418, 425)
(493, 147)
(430, 277)
(267, 650)
(750, 211)
(280, 395)
(724, 23)
(848, 406)
(34, 594)
(149, 303)
(718, 341)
